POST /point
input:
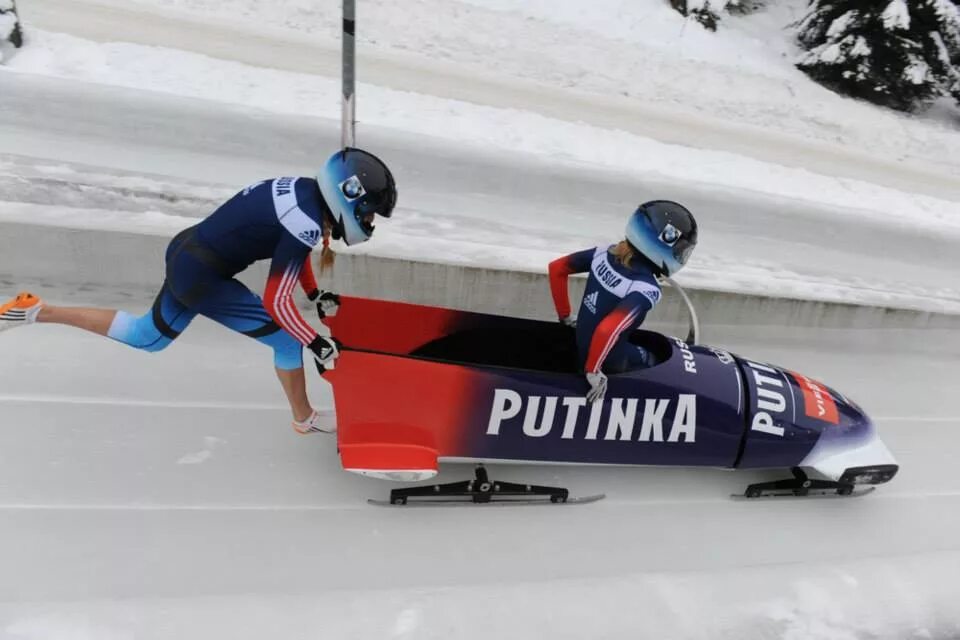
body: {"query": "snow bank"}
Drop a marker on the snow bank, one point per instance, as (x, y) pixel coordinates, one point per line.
(641, 49)
(488, 128)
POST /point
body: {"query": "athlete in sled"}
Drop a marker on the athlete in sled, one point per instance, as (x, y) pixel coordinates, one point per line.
(622, 287)
(458, 386)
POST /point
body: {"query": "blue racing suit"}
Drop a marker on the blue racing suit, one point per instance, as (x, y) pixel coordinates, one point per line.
(616, 300)
(280, 220)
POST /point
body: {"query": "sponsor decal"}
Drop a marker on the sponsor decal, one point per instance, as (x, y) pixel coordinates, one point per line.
(627, 419)
(771, 402)
(652, 294)
(689, 363)
(607, 275)
(723, 356)
(310, 236)
(590, 301)
(817, 401)
(352, 188)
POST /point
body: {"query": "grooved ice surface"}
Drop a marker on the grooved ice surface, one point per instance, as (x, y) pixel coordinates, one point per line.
(116, 524)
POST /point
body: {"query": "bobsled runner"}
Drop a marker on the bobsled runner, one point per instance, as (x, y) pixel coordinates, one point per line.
(416, 385)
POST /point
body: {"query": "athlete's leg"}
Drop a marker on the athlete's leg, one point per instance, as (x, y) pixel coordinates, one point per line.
(89, 319)
(294, 385)
(153, 331)
(27, 308)
(627, 357)
(233, 305)
(157, 328)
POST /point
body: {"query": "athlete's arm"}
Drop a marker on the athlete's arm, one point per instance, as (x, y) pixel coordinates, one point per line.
(631, 310)
(308, 281)
(560, 270)
(285, 270)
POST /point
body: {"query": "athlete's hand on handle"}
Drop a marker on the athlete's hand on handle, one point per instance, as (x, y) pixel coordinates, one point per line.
(598, 387)
(325, 351)
(569, 321)
(327, 302)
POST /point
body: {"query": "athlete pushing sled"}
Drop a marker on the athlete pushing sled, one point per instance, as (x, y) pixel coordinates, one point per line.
(281, 220)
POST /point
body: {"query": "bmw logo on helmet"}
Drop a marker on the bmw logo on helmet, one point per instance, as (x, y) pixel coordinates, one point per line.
(352, 188)
(669, 235)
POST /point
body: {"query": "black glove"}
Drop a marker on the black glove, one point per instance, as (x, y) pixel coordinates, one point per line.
(327, 302)
(325, 351)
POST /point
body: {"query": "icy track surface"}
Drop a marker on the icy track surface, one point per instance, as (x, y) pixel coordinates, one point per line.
(164, 496)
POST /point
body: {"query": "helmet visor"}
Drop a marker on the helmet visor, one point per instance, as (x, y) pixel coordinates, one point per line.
(683, 249)
(378, 192)
(380, 202)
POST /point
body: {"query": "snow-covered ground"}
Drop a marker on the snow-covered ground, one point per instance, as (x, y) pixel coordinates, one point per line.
(639, 49)
(510, 131)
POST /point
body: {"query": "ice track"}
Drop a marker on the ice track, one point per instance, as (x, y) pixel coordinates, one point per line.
(165, 496)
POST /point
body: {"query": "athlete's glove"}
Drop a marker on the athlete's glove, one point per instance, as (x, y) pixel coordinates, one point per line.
(325, 351)
(598, 387)
(327, 302)
(569, 321)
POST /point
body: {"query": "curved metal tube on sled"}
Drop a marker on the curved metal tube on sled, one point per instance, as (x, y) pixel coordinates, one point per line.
(693, 333)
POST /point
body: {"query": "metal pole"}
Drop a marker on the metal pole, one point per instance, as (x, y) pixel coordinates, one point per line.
(348, 120)
(693, 335)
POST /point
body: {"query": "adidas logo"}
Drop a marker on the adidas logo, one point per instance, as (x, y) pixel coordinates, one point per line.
(311, 236)
(590, 301)
(14, 314)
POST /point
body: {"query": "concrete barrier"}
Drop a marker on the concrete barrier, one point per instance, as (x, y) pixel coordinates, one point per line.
(36, 255)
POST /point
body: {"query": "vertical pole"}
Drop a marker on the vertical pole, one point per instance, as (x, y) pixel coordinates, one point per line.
(348, 120)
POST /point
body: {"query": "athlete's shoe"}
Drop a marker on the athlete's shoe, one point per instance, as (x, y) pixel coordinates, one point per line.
(318, 422)
(20, 311)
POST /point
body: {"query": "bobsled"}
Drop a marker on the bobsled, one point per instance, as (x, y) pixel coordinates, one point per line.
(418, 385)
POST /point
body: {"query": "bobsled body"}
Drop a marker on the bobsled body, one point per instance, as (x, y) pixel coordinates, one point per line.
(416, 385)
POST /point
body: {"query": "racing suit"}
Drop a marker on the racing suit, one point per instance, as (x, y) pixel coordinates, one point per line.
(616, 300)
(280, 220)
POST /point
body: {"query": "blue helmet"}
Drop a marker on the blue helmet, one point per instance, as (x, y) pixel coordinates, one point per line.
(664, 232)
(356, 185)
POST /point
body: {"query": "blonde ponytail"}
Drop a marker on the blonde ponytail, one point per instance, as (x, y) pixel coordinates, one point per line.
(623, 252)
(327, 255)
